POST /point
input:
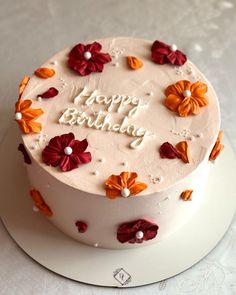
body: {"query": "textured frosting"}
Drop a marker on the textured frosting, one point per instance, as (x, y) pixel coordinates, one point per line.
(111, 151)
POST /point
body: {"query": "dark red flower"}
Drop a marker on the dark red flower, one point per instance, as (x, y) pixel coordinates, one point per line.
(85, 59)
(22, 149)
(163, 53)
(66, 152)
(167, 150)
(137, 231)
(51, 92)
(82, 226)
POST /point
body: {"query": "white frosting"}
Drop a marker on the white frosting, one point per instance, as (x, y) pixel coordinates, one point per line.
(121, 123)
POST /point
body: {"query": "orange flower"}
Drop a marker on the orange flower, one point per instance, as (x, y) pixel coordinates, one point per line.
(186, 195)
(23, 84)
(218, 147)
(123, 185)
(40, 203)
(25, 116)
(186, 98)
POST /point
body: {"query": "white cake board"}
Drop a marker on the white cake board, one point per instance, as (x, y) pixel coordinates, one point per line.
(114, 268)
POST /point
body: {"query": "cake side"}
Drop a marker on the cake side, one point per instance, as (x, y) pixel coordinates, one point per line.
(141, 133)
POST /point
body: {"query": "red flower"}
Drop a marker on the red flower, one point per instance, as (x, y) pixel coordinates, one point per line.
(163, 53)
(51, 92)
(66, 152)
(85, 59)
(22, 149)
(137, 231)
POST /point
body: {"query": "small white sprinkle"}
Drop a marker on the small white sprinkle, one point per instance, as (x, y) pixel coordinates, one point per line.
(116, 64)
(95, 245)
(95, 172)
(101, 160)
(124, 164)
(39, 98)
(35, 209)
(150, 93)
(54, 62)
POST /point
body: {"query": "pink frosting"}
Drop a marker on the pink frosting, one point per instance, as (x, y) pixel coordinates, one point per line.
(111, 151)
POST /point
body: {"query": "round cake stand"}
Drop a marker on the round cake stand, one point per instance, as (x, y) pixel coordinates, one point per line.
(115, 268)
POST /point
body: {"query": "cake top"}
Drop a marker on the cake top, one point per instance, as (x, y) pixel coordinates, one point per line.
(122, 99)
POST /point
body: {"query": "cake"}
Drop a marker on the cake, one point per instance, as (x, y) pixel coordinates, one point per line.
(117, 135)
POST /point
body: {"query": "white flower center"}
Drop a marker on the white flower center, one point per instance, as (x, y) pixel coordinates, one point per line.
(187, 93)
(173, 47)
(18, 116)
(125, 192)
(87, 55)
(139, 234)
(68, 150)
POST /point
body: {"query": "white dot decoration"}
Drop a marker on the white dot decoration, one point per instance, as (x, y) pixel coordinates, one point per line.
(139, 234)
(150, 93)
(18, 116)
(35, 209)
(95, 172)
(125, 192)
(39, 98)
(125, 164)
(96, 245)
(187, 93)
(173, 47)
(68, 150)
(87, 55)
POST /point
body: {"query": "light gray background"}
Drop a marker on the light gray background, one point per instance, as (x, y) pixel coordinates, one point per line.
(32, 31)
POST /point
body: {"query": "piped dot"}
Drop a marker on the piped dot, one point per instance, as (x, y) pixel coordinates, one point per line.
(95, 245)
(87, 55)
(173, 47)
(139, 235)
(18, 116)
(68, 150)
(125, 192)
(187, 93)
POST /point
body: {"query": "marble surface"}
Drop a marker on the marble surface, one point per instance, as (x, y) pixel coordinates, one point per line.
(31, 31)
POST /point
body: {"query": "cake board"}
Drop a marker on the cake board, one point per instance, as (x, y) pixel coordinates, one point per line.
(114, 268)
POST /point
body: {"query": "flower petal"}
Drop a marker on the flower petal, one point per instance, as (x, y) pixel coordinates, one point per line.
(183, 151)
(137, 188)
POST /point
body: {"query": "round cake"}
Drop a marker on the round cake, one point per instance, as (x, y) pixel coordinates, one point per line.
(117, 135)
